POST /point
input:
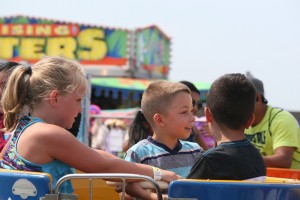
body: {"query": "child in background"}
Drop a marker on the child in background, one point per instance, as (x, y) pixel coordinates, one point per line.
(229, 111)
(115, 138)
(52, 91)
(5, 71)
(139, 129)
(168, 108)
(100, 131)
(109, 136)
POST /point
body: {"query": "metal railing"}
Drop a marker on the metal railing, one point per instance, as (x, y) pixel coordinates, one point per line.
(119, 176)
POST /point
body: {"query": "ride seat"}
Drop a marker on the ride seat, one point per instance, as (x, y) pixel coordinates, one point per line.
(19, 185)
(272, 188)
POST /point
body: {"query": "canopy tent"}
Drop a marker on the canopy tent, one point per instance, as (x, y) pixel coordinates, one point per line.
(126, 113)
(130, 88)
(121, 83)
(135, 84)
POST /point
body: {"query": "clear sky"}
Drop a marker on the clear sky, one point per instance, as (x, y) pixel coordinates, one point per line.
(209, 37)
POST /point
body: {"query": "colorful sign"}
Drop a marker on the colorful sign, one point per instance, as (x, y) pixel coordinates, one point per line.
(152, 50)
(29, 39)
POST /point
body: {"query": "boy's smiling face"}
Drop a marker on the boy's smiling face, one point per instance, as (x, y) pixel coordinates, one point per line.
(179, 119)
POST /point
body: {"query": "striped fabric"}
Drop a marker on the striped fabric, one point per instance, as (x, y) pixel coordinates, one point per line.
(179, 160)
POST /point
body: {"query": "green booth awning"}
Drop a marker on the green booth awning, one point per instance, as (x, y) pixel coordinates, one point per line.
(134, 84)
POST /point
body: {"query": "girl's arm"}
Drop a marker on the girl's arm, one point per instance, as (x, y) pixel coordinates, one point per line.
(106, 154)
(58, 143)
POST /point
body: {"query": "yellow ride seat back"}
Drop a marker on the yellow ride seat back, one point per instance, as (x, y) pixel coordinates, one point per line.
(99, 189)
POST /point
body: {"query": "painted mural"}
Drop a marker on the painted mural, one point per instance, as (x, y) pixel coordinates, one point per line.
(152, 50)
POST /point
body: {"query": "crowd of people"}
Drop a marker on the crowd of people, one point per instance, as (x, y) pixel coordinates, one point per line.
(162, 141)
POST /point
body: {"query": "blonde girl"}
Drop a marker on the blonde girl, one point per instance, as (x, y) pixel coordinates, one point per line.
(40, 103)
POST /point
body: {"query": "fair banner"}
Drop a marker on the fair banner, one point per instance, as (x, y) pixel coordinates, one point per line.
(29, 39)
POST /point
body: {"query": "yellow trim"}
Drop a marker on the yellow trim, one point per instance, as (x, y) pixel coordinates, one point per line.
(269, 180)
(100, 189)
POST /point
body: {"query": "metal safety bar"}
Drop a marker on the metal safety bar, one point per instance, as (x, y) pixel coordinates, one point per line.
(121, 176)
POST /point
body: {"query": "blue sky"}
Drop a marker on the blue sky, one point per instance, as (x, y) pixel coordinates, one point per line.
(209, 38)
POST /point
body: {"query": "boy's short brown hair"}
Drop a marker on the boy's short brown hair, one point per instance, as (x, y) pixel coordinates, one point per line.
(231, 100)
(157, 97)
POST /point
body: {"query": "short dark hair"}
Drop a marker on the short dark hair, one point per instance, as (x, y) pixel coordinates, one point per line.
(191, 86)
(8, 66)
(231, 100)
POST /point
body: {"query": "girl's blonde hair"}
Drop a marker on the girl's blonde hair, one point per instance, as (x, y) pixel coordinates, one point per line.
(28, 86)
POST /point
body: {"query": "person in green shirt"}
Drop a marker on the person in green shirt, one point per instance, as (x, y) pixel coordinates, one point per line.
(275, 132)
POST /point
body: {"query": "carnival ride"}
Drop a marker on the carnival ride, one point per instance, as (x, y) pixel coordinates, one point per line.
(132, 57)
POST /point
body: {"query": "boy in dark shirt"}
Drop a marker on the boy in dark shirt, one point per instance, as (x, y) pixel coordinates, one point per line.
(229, 111)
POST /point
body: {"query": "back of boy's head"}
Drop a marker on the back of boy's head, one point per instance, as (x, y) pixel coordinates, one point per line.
(28, 86)
(158, 96)
(231, 100)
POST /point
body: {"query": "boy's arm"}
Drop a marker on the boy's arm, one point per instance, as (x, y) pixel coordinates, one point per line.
(135, 189)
